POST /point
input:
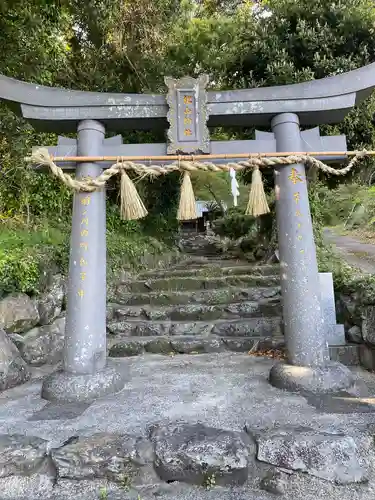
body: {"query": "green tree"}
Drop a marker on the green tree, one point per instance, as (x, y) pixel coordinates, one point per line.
(299, 40)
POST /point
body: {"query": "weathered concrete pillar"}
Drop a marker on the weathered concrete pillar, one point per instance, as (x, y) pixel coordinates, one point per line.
(305, 335)
(86, 375)
(304, 327)
(85, 338)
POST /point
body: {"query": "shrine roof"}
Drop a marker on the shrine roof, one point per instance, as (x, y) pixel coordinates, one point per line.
(327, 100)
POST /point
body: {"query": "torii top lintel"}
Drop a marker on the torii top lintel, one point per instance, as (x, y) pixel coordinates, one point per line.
(316, 102)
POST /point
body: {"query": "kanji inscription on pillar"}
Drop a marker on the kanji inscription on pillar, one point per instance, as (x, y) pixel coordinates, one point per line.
(83, 245)
(187, 115)
(295, 176)
(297, 198)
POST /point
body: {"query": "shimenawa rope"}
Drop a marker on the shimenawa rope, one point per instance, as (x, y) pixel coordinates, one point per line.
(132, 206)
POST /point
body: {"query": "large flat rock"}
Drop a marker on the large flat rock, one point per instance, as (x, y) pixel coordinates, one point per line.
(103, 455)
(43, 344)
(18, 313)
(21, 455)
(194, 453)
(329, 456)
(13, 369)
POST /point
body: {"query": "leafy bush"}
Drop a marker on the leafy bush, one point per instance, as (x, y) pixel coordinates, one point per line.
(163, 226)
(26, 253)
(18, 272)
(130, 252)
(349, 204)
(115, 223)
(235, 225)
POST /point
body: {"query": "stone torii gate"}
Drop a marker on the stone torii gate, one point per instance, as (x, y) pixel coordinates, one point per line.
(188, 111)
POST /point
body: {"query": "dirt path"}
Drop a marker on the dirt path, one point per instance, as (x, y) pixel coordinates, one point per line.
(355, 252)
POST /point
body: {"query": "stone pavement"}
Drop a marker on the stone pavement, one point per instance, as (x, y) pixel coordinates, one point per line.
(309, 448)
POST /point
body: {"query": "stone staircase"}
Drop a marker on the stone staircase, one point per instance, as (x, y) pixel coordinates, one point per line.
(203, 305)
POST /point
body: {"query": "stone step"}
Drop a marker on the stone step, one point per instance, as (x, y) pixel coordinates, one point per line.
(134, 346)
(200, 249)
(348, 354)
(217, 269)
(208, 297)
(199, 312)
(261, 327)
(200, 262)
(192, 283)
(178, 344)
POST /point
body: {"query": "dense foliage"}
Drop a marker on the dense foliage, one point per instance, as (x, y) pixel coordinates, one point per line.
(235, 225)
(350, 205)
(127, 46)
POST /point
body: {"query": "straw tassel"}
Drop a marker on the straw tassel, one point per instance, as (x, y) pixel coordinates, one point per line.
(257, 200)
(132, 207)
(187, 209)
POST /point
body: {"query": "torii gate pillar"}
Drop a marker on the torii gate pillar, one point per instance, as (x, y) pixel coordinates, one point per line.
(309, 367)
(305, 334)
(86, 374)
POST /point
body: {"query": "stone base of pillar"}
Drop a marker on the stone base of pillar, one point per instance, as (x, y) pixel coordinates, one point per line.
(333, 377)
(65, 387)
